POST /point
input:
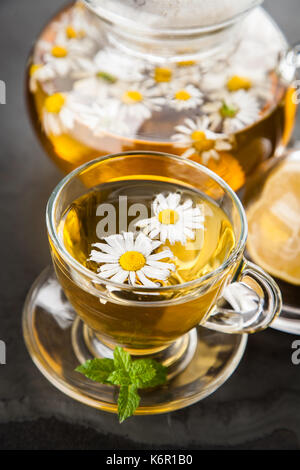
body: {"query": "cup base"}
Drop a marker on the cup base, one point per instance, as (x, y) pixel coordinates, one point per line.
(176, 357)
(58, 341)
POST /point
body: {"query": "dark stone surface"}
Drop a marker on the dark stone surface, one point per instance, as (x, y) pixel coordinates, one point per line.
(258, 408)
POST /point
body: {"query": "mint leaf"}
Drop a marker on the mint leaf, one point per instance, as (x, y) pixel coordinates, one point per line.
(128, 401)
(160, 376)
(128, 375)
(97, 369)
(119, 377)
(122, 359)
(142, 372)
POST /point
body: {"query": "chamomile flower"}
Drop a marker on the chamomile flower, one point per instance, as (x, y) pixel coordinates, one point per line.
(237, 78)
(126, 257)
(77, 24)
(110, 66)
(232, 111)
(60, 112)
(93, 86)
(161, 77)
(104, 71)
(137, 100)
(107, 117)
(188, 71)
(185, 98)
(172, 220)
(196, 137)
(63, 57)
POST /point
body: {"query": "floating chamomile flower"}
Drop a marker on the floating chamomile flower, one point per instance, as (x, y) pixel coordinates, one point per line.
(232, 111)
(60, 112)
(64, 57)
(169, 77)
(161, 77)
(111, 66)
(185, 98)
(138, 101)
(188, 71)
(57, 117)
(236, 78)
(107, 117)
(77, 24)
(93, 87)
(126, 257)
(105, 70)
(198, 139)
(172, 221)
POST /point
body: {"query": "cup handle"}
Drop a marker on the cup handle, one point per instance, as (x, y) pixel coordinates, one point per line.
(247, 306)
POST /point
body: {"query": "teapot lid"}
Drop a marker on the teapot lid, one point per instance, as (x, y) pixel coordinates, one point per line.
(163, 15)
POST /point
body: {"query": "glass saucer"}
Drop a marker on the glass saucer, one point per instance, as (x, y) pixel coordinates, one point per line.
(57, 342)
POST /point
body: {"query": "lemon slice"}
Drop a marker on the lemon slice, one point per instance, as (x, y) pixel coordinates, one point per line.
(274, 224)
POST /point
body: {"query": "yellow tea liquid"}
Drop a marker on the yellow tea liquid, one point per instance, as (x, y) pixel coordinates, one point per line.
(144, 324)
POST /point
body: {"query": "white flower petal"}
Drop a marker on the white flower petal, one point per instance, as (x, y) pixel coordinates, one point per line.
(173, 200)
(188, 153)
(161, 265)
(128, 240)
(117, 242)
(144, 222)
(154, 232)
(107, 273)
(161, 255)
(161, 200)
(155, 273)
(132, 277)
(120, 277)
(164, 233)
(108, 266)
(144, 280)
(189, 233)
(99, 257)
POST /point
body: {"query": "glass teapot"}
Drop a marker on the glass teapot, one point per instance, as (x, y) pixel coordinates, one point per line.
(210, 81)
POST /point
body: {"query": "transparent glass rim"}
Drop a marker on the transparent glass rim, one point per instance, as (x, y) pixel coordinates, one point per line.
(66, 256)
(117, 20)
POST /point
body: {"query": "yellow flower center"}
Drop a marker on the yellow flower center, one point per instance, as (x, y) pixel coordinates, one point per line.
(237, 82)
(186, 63)
(132, 96)
(54, 103)
(59, 52)
(162, 74)
(71, 33)
(182, 95)
(168, 217)
(34, 68)
(132, 261)
(200, 142)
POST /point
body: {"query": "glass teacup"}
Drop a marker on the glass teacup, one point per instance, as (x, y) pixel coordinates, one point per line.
(236, 297)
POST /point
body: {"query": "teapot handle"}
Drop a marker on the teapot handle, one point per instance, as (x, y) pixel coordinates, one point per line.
(289, 63)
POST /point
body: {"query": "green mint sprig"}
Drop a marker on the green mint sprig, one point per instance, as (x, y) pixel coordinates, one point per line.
(127, 374)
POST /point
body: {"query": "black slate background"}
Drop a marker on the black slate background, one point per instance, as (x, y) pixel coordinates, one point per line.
(258, 408)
